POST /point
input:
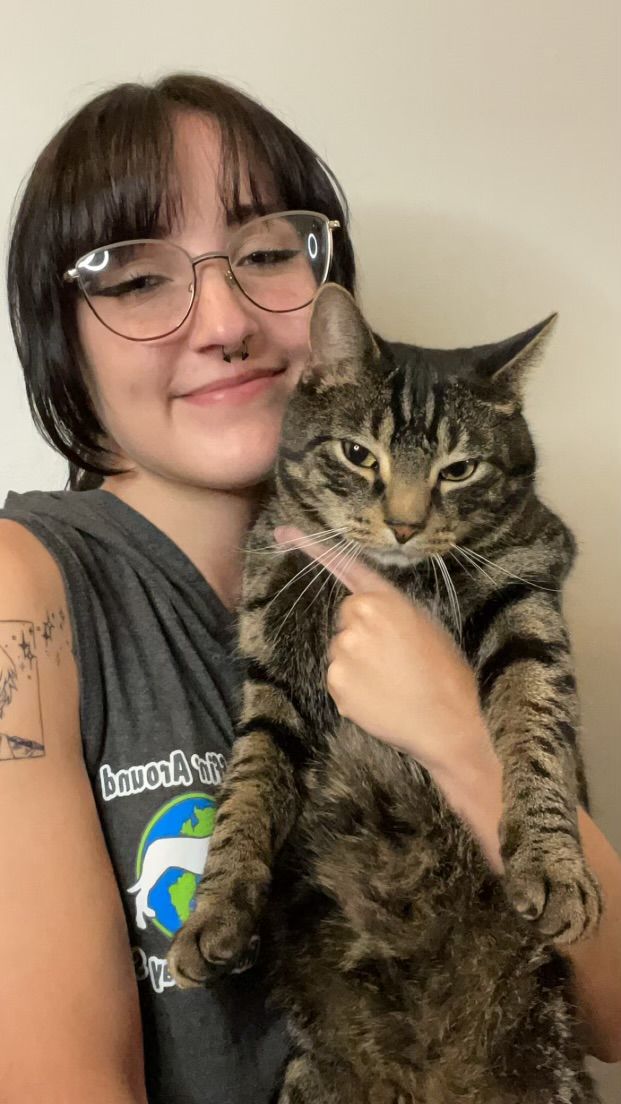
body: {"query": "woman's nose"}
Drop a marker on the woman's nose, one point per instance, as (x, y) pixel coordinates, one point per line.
(219, 315)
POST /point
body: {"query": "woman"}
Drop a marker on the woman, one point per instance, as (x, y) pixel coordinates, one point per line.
(117, 603)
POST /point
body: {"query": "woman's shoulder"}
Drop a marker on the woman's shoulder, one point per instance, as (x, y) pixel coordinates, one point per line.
(65, 543)
(27, 568)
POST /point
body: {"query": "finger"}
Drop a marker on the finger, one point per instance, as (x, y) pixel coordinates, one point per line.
(357, 577)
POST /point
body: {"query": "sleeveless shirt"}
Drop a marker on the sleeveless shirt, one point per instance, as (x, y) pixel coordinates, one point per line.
(159, 690)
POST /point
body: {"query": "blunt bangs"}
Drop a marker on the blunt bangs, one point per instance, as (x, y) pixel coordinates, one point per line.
(109, 175)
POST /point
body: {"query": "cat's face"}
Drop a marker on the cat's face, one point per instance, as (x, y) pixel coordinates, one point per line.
(409, 452)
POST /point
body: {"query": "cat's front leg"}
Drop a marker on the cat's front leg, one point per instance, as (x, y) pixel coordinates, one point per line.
(529, 697)
(257, 806)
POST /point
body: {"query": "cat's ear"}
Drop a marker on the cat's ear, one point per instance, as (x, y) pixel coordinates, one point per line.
(505, 363)
(340, 339)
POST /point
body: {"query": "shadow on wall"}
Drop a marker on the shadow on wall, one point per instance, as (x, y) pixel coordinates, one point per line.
(445, 280)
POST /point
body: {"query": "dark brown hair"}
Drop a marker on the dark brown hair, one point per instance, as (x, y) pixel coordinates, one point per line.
(109, 175)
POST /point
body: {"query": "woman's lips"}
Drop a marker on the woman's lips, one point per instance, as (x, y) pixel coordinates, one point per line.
(233, 393)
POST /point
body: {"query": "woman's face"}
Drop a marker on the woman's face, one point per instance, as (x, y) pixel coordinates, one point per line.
(146, 392)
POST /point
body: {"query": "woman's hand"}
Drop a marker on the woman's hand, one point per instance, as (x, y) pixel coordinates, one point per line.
(397, 673)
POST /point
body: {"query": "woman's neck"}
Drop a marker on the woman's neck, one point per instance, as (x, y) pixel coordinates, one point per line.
(208, 525)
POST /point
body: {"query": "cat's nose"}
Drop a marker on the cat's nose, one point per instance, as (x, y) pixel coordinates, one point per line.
(403, 532)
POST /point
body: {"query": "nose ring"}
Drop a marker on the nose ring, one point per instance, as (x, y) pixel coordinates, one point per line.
(242, 352)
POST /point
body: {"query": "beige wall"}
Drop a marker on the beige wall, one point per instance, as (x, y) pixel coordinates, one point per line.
(478, 141)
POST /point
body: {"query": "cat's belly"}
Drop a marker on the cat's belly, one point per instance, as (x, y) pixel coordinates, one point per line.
(382, 851)
(393, 945)
(362, 818)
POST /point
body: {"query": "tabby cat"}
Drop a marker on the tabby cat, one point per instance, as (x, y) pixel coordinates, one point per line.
(410, 973)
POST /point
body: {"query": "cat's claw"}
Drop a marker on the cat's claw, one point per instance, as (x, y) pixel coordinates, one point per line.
(560, 896)
(206, 948)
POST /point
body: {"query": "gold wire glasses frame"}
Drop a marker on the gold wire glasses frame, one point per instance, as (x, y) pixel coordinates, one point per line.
(143, 294)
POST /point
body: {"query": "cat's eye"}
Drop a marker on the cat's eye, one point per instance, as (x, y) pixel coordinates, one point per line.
(359, 455)
(461, 469)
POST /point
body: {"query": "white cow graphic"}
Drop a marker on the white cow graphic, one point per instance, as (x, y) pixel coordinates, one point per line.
(186, 852)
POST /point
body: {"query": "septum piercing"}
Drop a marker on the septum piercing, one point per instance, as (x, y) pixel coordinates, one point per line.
(228, 357)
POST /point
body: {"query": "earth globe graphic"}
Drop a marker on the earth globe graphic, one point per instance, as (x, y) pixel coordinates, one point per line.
(172, 896)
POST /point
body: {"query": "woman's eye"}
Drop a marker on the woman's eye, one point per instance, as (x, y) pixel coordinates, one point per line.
(461, 469)
(134, 285)
(263, 257)
(359, 455)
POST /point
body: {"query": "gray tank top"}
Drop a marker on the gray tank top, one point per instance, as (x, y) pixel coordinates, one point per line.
(159, 693)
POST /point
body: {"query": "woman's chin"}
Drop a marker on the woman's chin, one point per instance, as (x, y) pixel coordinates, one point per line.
(230, 474)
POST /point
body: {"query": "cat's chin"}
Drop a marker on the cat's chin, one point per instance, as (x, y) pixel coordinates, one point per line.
(395, 557)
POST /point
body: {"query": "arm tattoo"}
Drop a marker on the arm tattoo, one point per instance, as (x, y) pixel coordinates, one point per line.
(21, 725)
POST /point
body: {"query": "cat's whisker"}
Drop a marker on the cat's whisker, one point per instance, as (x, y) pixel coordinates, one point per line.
(456, 597)
(317, 575)
(436, 559)
(319, 537)
(303, 571)
(298, 575)
(435, 577)
(322, 568)
(510, 574)
(460, 564)
(452, 594)
(477, 566)
(317, 570)
(349, 553)
(354, 553)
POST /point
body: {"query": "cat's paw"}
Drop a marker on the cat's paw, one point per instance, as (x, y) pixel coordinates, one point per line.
(216, 940)
(556, 892)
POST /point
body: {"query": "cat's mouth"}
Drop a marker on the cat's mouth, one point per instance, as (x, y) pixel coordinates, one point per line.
(396, 556)
(407, 555)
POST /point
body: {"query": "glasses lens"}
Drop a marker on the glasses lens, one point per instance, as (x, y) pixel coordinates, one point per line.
(138, 289)
(279, 261)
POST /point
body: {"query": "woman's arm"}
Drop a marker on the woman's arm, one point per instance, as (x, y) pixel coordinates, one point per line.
(69, 1013)
(475, 793)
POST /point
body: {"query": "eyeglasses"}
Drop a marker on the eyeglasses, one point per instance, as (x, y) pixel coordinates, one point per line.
(145, 289)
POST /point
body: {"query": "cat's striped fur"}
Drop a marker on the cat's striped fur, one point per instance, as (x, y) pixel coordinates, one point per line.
(410, 973)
